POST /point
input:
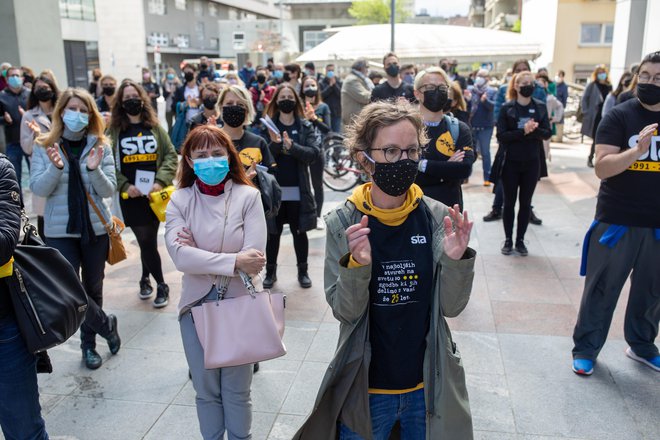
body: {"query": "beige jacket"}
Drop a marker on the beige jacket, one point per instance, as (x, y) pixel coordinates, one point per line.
(355, 94)
(222, 226)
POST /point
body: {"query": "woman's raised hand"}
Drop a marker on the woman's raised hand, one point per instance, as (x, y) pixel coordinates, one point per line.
(95, 158)
(457, 233)
(54, 155)
(358, 241)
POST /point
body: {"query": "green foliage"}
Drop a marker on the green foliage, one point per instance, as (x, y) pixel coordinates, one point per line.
(516, 26)
(377, 11)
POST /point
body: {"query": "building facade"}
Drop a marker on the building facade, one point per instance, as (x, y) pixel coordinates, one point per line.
(476, 13)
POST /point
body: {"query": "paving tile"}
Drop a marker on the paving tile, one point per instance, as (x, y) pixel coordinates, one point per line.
(535, 319)
(527, 290)
(490, 402)
(515, 266)
(643, 403)
(480, 352)
(285, 426)
(477, 315)
(302, 394)
(160, 334)
(177, 422)
(297, 341)
(272, 383)
(102, 419)
(324, 344)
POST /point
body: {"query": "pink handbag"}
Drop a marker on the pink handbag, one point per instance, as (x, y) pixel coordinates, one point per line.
(240, 330)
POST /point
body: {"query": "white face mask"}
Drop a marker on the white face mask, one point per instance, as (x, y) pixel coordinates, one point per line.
(480, 81)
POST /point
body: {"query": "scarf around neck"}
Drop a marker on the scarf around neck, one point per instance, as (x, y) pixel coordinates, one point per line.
(79, 222)
(361, 198)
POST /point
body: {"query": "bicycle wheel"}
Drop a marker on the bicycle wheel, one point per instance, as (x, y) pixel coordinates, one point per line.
(340, 172)
(335, 157)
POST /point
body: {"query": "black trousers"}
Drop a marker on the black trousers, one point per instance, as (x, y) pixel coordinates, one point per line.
(518, 181)
(147, 238)
(607, 271)
(89, 260)
(289, 213)
(316, 172)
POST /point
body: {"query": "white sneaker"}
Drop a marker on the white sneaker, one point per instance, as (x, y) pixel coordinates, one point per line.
(320, 224)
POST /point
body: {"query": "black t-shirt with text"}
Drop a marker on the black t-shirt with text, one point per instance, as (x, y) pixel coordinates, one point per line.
(385, 92)
(400, 300)
(252, 147)
(287, 165)
(631, 198)
(138, 150)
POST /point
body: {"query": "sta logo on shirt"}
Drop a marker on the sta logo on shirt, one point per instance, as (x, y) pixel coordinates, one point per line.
(418, 239)
(139, 148)
(649, 161)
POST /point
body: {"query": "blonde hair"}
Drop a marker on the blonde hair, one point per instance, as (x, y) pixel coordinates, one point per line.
(243, 95)
(422, 73)
(362, 131)
(457, 96)
(597, 69)
(511, 92)
(95, 127)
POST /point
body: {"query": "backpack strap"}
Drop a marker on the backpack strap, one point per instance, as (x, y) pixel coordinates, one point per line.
(452, 124)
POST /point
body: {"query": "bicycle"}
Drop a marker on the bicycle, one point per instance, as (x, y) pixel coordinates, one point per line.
(340, 172)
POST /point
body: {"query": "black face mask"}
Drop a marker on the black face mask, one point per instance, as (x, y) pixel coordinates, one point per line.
(527, 90)
(233, 115)
(210, 102)
(286, 105)
(448, 105)
(286, 76)
(203, 66)
(261, 79)
(44, 95)
(189, 76)
(109, 91)
(394, 179)
(435, 100)
(132, 106)
(648, 94)
(310, 92)
(392, 70)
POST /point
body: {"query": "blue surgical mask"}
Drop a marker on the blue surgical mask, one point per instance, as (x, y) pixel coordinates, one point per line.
(409, 78)
(330, 74)
(211, 170)
(170, 76)
(602, 76)
(278, 74)
(15, 82)
(75, 121)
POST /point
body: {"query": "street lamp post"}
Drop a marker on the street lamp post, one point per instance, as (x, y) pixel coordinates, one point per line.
(392, 17)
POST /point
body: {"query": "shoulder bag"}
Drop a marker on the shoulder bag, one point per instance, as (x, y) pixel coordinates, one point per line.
(48, 298)
(116, 251)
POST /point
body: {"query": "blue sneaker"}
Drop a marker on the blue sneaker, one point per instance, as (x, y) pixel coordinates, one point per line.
(653, 362)
(583, 367)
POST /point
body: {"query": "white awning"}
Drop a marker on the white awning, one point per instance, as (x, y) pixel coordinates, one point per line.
(423, 43)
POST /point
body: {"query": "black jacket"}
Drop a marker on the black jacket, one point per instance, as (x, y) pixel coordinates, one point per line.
(9, 102)
(332, 96)
(10, 224)
(306, 153)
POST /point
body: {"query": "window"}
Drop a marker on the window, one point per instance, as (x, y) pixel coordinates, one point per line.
(183, 40)
(198, 8)
(213, 10)
(199, 33)
(157, 7)
(312, 39)
(78, 10)
(158, 39)
(180, 4)
(215, 43)
(596, 34)
(232, 14)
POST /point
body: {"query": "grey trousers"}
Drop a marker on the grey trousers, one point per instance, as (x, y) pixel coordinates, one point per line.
(607, 270)
(223, 394)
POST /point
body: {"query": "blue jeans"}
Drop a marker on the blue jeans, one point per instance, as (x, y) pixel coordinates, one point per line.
(481, 137)
(20, 412)
(409, 409)
(15, 155)
(335, 123)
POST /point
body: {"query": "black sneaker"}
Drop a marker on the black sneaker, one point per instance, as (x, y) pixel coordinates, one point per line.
(162, 296)
(533, 219)
(521, 248)
(493, 215)
(507, 247)
(113, 339)
(590, 162)
(91, 358)
(145, 289)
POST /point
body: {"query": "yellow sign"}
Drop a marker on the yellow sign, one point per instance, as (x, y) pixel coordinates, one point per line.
(653, 167)
(158, 201)
(140, 158)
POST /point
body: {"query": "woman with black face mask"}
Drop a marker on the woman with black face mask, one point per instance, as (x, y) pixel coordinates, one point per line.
(448, 156)
(522, 126)
(262, 93)
(210, 114)
(186, 98)
(295, 146)
(142, 149)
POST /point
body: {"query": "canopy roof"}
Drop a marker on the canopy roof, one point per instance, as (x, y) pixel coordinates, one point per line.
(423, 43)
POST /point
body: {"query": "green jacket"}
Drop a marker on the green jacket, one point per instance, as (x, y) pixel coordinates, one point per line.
(343, 395)
(166, 163)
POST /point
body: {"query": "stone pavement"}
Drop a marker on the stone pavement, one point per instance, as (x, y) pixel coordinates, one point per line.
(514, 337)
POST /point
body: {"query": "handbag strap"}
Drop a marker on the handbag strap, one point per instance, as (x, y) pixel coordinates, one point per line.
(91, 201)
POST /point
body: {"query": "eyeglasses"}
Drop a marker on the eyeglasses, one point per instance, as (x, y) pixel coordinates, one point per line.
(646, 78)
(394, 154)
(432, 88)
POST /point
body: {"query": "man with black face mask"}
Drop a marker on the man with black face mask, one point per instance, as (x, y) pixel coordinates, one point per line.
(449, 66)
(104, 102)
(625, 235)
(394, 88)
(449, 155)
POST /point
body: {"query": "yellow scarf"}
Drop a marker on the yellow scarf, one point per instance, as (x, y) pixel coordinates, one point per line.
(7, 269)
(361, 198)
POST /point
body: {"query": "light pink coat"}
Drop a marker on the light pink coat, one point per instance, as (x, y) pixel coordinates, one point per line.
(244, 228)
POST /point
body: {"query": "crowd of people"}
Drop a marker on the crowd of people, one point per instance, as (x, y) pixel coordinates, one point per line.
(416, 133)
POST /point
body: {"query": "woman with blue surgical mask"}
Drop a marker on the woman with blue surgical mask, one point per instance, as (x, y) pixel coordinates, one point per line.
(73, 166)
(215, 226)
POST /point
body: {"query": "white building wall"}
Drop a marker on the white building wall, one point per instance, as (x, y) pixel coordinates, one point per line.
(122, 39)
(539, 23)
(652, 28)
